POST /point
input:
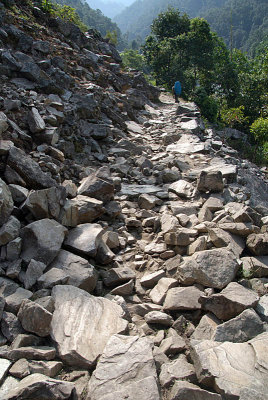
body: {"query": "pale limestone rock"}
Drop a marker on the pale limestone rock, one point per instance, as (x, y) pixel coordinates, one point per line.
(183, 298)
(158, 293)
(40, 386)
(183, 390)
(178, 369)
(158, 317)
(82, 324)
(126, 369)
(228, 367)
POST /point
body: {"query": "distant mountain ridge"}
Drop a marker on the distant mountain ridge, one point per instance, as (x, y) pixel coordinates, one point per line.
(242, 23)
(110, 8)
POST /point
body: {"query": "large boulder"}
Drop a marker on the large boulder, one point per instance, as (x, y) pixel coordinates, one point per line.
(230, 302)
(42, 240)
(45, 203)
(126, 369)
(228, 368)
(85, 239)
(29, 170)
(96, 187)
(213, 268)
(81, 273)
(80, 210)
(82, 325)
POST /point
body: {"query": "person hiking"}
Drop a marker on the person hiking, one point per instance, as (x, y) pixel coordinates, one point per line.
(176, 90)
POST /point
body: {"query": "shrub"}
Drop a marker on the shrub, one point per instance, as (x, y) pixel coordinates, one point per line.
(234, 118)
(259, 129)
(207, 104)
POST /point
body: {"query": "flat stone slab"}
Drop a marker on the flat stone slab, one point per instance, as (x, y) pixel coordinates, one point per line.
(187, 144)
(82, 325)
(137, 190)
(126, 370)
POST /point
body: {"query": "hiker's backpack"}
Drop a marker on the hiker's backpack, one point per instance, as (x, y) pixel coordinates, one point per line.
(177, 88)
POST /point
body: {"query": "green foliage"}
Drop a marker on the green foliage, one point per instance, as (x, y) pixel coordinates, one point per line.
(47, 6)
(259, 129)
(112, 36)
(132, 59)
(234, 117)
(208, 105)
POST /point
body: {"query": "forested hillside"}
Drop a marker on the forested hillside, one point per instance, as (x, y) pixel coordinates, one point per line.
(136, 19)
(242, 23)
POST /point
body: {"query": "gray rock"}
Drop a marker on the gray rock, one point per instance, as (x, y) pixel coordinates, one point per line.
(178, 369)
(125, 369)
(258, 244)
(30, 353)
(85, 239)
(19, 193)
(115, 276)
(262, 307)
(29, 170)
(228, 367)
(210, 182)
(150, 280)
(183, 390)
(10, 326)
(82, 324)
(80, 210)
(158, 293)
(13, 249)
(4, 367)
(42, 240)
(183, 298)
(39, 386)
(94, 186)
(182, 189)
(45, 203)
(34, 270)
(53, 277)
(81, 273)
(240, 329)
(221, 238)
(213, 268)
(13, 301)
(230, 302)
(6, 202)
(255, 267)
(20, 369)
(34, 318)
(158, 317)
(48, 368)
(9, 231)
(35, 121)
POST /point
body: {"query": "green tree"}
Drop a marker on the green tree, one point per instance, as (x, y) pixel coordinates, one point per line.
(132, 59)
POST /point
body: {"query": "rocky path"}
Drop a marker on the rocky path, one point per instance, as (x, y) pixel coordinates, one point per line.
(133, 239)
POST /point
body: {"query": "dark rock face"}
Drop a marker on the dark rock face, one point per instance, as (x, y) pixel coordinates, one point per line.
(133, 241)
